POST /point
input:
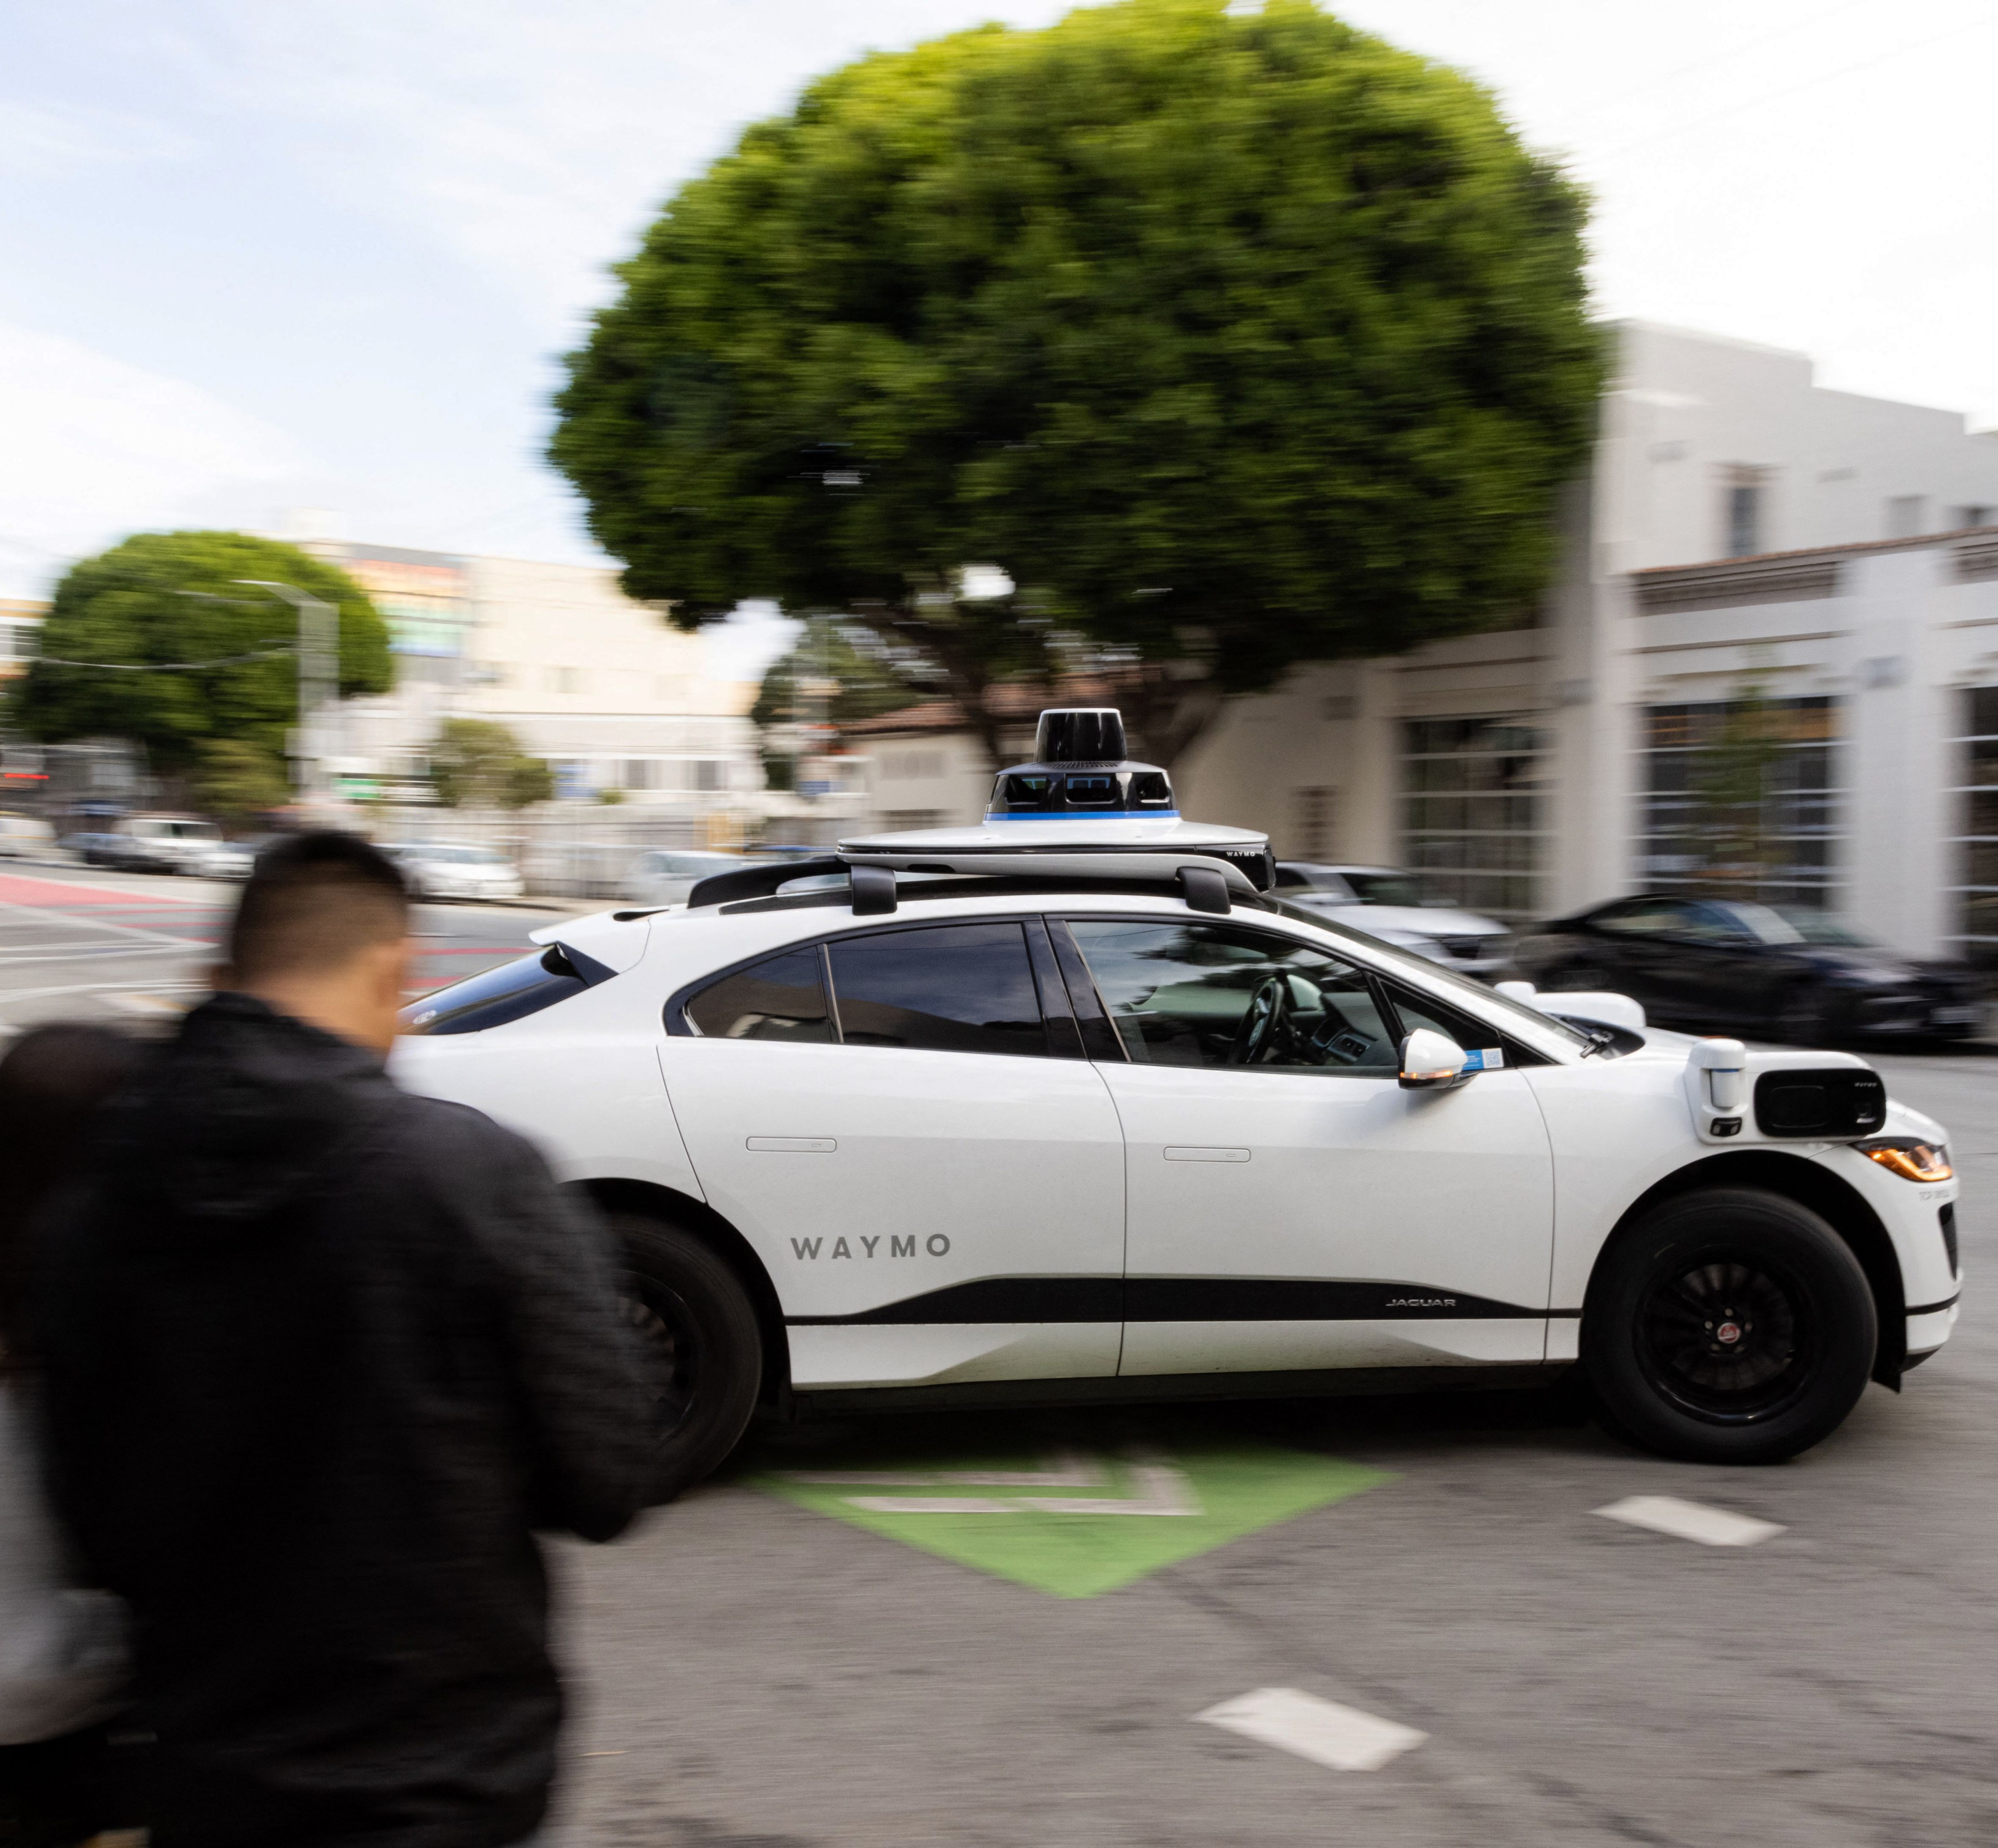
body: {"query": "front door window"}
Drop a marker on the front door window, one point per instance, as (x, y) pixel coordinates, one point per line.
(1208, 996)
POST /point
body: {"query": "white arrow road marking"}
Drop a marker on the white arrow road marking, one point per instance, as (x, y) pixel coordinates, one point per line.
(1690, 1521)
(1161, 1489)
(1322, 1730)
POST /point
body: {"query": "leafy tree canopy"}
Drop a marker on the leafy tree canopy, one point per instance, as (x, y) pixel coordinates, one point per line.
(1233, 341)
(239, 780)
(158, 598)
(479, 763)
(862, 680)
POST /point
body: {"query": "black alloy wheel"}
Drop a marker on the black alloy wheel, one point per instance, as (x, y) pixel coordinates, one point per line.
(701, 1349)
(1732, 1325)
(1728, 1341)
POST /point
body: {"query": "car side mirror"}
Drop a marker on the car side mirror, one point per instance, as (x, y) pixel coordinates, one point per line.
(1430, 1061)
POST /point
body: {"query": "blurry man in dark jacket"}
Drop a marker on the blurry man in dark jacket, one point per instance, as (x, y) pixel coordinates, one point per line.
(319, 1355)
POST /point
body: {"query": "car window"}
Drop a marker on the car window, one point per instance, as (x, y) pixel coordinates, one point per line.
(781, 998)
(1210, 994)
(1713, 924)
(1388, 888)
(958, 987)
(1644, 917)
(509, 992)
(1294, 878)
(1416, 1011)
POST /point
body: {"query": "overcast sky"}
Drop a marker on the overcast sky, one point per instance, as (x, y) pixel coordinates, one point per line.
(258, 255)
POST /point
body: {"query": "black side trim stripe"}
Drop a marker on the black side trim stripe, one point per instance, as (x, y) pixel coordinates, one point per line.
(1176, 1300)
(1930, 1309)
(994, 1299)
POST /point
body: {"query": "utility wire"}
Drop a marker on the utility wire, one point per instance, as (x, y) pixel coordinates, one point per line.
(267, 654)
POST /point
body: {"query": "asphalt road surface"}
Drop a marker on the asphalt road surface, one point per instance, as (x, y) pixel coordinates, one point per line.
(1426, 1587)
(82, 943)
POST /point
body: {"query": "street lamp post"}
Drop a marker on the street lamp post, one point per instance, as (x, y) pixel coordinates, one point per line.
(318, 677)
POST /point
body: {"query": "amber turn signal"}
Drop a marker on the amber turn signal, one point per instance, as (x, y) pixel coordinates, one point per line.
(1911, 1160)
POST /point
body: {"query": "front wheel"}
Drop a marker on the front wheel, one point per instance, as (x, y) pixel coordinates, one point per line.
(703, 1349)
(1729, 1326)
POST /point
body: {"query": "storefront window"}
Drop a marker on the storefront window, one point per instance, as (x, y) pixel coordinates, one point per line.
(1473, 812)
(1741, 799)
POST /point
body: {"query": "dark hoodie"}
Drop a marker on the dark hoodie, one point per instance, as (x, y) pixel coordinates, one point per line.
(320, 1353)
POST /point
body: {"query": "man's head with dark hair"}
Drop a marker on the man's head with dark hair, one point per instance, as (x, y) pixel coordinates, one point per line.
(320, 931)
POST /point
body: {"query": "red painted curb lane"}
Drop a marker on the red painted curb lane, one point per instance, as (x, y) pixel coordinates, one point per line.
(18, 888)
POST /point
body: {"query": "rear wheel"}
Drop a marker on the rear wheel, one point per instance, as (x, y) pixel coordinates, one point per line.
(703, 1349)
(1729, 1326)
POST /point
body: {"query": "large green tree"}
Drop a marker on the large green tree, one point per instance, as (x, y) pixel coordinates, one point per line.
(1235, 341)
(219, 654)
(479, 763)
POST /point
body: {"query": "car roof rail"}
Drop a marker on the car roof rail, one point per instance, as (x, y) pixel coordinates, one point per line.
(1207, 883)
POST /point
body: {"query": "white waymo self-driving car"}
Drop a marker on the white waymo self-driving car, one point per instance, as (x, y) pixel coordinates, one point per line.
(1065, 1106)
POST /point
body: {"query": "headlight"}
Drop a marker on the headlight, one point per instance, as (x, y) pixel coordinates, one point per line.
(1909, 1158)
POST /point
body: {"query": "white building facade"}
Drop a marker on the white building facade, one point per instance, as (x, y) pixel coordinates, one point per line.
(606, 689)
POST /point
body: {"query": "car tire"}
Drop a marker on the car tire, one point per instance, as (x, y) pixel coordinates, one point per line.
(703, 1346)
(1728, 1326)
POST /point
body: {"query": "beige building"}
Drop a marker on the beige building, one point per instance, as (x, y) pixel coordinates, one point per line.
(21, 622)
(606, 690)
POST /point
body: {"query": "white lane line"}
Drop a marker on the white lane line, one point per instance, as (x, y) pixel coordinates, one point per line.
(50, 913)
(1690, 1521)
(1322, 1730)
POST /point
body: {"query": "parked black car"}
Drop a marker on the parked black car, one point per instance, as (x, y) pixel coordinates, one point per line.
(1779, 970)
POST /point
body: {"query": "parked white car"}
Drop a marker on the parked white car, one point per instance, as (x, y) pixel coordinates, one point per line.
(161, 843)
(21, 834)
(666, 875)
(227, 860)
(440, 869)
(1085, 1114)
(1393, 905)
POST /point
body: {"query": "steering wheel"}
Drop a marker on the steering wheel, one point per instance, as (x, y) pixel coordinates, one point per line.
(1267, 1016)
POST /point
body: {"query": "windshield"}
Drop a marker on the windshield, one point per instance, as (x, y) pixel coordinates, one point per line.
(1427, 974)
(1809, 926)
(1389, 888)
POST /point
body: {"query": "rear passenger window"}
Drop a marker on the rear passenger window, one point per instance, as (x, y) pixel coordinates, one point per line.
(958, 987)
(781, 998)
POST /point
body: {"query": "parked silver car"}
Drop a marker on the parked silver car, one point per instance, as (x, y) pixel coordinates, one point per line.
(442, 870)
(1393, 905)
(666, 875)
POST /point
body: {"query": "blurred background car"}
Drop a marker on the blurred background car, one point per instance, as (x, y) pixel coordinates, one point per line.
(226, 859)
(667, 875)
(23, 834)
(159, 843)
(440, 870)
(93, 847)
(1784, 970)
(1395, 906)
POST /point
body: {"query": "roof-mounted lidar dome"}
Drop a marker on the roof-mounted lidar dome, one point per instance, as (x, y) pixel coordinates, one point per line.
(1080, 769)
(1080, 797)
